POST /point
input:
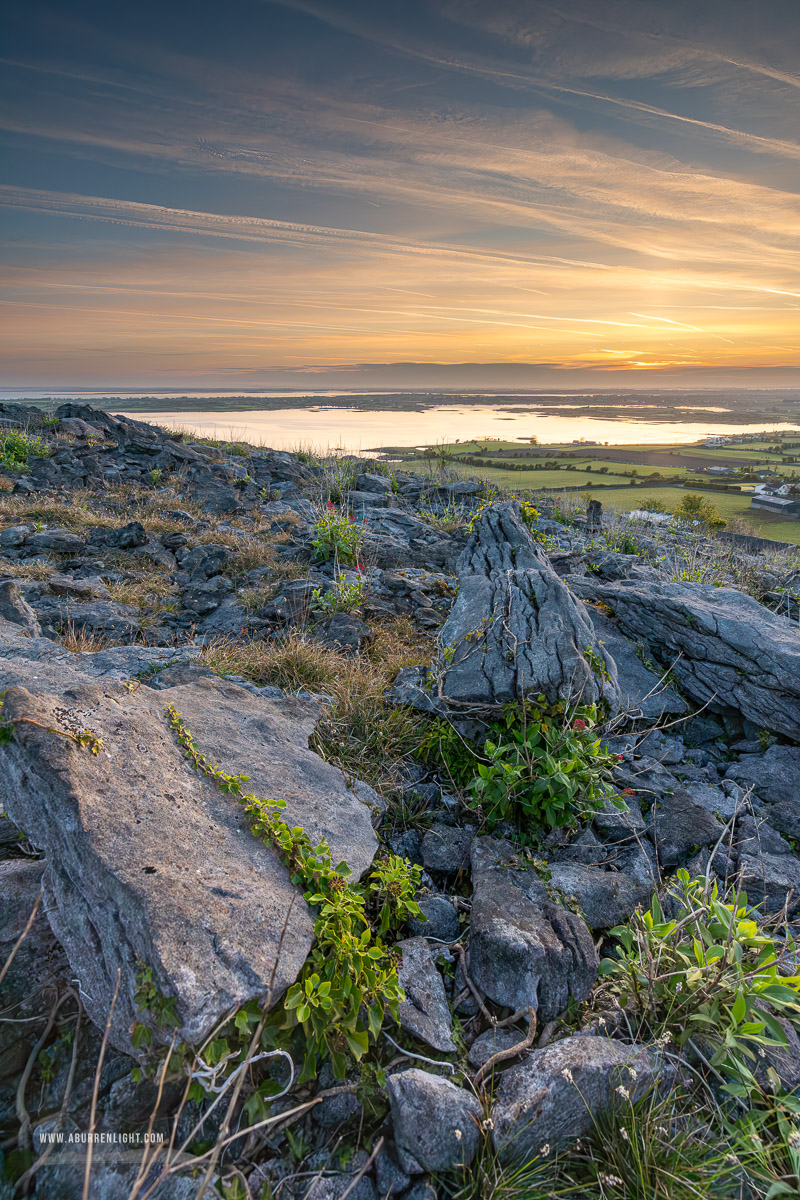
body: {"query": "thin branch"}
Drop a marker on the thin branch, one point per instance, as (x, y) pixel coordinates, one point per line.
(96, 1089)
(375, 1152)
(511, 1052)
(22, 936)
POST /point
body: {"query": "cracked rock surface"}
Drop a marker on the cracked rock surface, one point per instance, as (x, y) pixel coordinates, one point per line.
(515, 629)
(148, 861)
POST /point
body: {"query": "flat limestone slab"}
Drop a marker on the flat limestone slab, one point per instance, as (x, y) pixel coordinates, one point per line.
(149, 862)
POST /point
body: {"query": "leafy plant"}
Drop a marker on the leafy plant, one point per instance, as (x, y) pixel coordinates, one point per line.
(350, 978)
(623, 541)
(344, 596)
(449, 518)
(148, 999)
(706, 974)
(540, 765)
(17, 447)
(337, 536)
(544, 769)
(695, 509)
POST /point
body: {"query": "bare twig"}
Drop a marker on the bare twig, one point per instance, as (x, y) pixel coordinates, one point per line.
(23, 1116)
(22, 936)
(96, 1089)
(351, 1186)
(462, 958)
(435, 1062)
(511, 1052)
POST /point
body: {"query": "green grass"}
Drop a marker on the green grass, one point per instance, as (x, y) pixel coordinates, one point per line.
(730, 505)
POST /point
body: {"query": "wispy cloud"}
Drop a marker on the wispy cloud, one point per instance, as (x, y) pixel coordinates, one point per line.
(563, 183)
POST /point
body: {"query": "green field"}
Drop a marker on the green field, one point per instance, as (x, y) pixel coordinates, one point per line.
(626, 496)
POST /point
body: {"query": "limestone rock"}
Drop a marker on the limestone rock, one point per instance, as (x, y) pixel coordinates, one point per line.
(439, 918)
(525, 949)
(491, 1042)
(515, 630)
(725, 649)
(554, 1094)
(424, 1012)
(604, 897)
(367, 482)
(642, 693)
(446, 848)
(393, 538)
(149, 862)
(774, 775)
(771, 880)
(679, 825)
(436, 1124)
(15, 608)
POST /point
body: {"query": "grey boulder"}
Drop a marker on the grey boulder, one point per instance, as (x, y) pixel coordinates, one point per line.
(679, 826)
(525, 950)
(436, 1124)
(150, 863)
(642, 693)
(604, 897)
(515, 630)
(15, 608)
(771, 881)
(554, 1095)
(774, 775)
(424, 1012)
(725, 649)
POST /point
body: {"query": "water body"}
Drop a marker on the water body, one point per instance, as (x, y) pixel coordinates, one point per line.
(359, 431)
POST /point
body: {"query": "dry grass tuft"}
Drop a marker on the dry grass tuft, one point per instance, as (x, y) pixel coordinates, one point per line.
(361, 733)
(80, 510)
(143, 592)
(36, 570)
(79, 640)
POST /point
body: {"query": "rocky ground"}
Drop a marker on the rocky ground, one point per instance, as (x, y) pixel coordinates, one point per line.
(514, 724)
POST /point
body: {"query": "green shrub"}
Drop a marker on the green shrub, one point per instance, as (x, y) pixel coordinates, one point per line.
(539, 767)
(706, 976)
(695, 509)
(344, 596)
(623, 541)
(17, 447)
(337, 536)
(543, 769)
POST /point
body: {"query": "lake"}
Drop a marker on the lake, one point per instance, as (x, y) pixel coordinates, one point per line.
(359, 432)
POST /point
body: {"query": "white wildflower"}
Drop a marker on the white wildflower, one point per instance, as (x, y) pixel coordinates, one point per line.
(567, 1074)
(632, 1072)
(624, 1133)
(623, 1091)
(545, 1150)
(458, 1134)
(794, 1139)
(610, 1180)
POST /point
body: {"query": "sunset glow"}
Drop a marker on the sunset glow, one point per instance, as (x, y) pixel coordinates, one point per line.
(296, 194)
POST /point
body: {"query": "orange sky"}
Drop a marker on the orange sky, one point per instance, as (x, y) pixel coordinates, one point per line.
(322, 188)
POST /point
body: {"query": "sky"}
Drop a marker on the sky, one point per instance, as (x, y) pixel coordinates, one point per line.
(323, 193)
